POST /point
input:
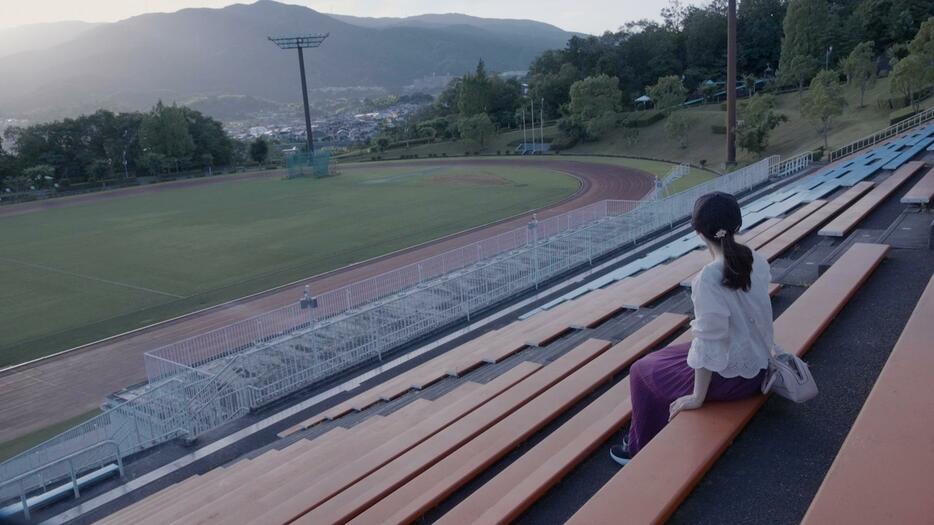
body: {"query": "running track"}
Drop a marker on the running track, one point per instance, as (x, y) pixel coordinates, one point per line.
(63, 387)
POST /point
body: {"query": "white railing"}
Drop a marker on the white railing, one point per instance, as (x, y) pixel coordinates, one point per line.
(792, 165)
(884, 134)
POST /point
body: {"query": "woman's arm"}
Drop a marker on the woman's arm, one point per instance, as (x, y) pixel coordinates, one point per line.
(696, 399)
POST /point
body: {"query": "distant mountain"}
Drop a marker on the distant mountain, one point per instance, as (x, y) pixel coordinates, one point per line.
(33, 37)
(539, 33)
(211, 52)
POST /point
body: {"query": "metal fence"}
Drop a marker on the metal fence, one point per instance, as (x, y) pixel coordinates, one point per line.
(791, 166)
(202, 382)
(884, 134)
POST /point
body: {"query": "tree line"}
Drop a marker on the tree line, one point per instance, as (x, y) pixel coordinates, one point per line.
(107, 145)
(590, 85)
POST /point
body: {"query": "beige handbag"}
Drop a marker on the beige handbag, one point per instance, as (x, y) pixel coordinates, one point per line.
(789, 377)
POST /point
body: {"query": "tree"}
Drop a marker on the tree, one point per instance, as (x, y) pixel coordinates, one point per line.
(595, 104)
(707, 89)
(165, 131)
(667, 93)
(475, 92)
(259, 150)
(477, 128)
(909, 76)
(759, 34)
(382, 143)
(749, 82)
(805, 42)
(860, 68)
(823, 102)
(7, 164)
(922, 45)
(798, 70)
(100, 169)
(677, 127)
(39, 175)
(758, 121)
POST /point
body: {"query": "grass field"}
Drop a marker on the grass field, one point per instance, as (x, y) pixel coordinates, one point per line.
(76, 274)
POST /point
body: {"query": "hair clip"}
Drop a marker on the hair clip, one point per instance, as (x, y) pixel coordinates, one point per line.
(721, 233)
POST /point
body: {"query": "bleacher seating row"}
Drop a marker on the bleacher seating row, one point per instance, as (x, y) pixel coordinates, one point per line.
(392, 468)
(883, 470)
(890, 155)
(662, 474)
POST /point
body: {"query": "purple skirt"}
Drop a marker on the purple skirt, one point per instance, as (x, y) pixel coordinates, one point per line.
(659, 378)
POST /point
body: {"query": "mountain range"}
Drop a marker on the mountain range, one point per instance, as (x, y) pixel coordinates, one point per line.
(213, 52)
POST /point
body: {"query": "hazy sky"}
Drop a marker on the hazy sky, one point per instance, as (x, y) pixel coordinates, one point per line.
(587, 16)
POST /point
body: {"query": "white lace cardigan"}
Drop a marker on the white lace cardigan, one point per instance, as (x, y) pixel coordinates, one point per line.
(733, 333)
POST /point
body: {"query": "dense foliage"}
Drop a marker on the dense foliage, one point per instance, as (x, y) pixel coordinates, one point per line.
(105, 145)
(683, 57)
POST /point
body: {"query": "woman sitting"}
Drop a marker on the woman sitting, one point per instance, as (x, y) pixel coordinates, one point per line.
(732, 330)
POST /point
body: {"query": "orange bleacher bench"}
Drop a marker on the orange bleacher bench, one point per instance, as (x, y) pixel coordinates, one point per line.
(650, 488)
(341, 496)
(922, 192)
(885, 469)
(411, 500)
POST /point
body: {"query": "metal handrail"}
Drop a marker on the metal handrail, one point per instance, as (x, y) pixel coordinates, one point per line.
(792, 165)
(66, 459)
(883, 134)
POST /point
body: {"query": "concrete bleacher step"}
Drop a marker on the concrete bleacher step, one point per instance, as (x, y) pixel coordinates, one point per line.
(922, 192)
(884, 471)
(304, 489)
(364, 492)
(460, 466)
(848, 220)
(650, 488)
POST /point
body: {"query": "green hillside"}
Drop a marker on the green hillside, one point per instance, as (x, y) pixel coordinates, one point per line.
(795, 136)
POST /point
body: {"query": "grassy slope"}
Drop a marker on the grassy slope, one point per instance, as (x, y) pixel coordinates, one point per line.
(73, 275)
(790, 138)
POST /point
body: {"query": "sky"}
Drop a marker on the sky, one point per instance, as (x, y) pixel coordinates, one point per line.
(585, 16)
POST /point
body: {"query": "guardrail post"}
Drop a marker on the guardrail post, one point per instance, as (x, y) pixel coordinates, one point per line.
(22, 500)
(533, 227)
(74, 479)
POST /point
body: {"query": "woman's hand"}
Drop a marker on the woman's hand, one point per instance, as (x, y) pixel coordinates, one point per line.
(688, 402)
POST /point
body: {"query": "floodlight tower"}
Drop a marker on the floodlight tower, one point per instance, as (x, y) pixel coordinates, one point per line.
(300, 43)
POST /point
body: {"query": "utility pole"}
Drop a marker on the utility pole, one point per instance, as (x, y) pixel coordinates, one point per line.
(533, 126)
(731, 85)
(300, 43)
(525, 139)
(541, 125)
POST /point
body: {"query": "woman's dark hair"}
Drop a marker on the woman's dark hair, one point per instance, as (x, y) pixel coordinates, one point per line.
(717, 217)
